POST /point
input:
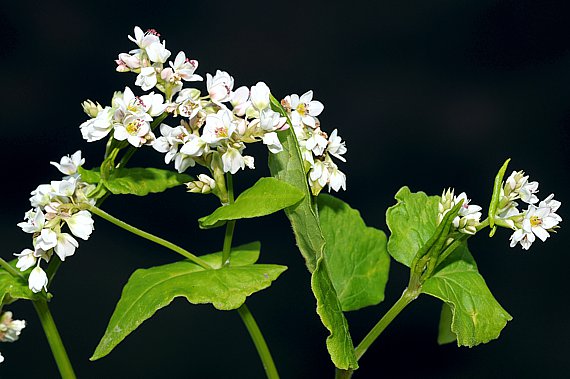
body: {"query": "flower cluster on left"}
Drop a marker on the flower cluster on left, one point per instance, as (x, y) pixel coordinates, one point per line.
(55, 205)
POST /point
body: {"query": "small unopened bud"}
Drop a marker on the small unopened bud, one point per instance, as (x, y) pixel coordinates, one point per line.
(446, 203)
(91, 109)
(205, 184)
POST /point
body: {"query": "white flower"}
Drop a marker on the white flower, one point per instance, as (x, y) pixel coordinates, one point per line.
(38, 280)
(80, 224)
(66, 246)
(317, 142)
(64, 188)
(318, 176)
(219, 86)
(68, 165)
(550, 203)
(153, 104)
(233, 160)
(41, 196)
(127, 62)
(182, 162)
(272, 142)
(26, 259)
(517, 186)
(260, 96)
(525, 238)
(34, 221)
(337, 179)
(142, 39)
(468, 217)
(133, 129)
(170, 140)
(10, 329)
(146, 79)
(188, 101)
(181, 69)
(157, 52)
(1, 358)
(195, 146)
(46, 240)
(336, 146)
(219, 126)
(270, 120)
(539, 220)
(97, 128)
(240, 100)
(304, 109)
(249, 162)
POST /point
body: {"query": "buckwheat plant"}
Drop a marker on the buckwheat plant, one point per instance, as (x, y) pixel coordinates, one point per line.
(205, 132)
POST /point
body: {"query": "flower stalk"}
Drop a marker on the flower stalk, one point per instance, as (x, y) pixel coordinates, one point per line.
(54, 340)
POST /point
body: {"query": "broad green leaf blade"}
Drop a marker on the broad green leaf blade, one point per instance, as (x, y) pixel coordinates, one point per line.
(356, 255)
(266, 196)
(136, 181)
(477, 316)
(445, 334)
(149, 290)
(339, 343)
(14, 288)
(92, 176)
(142, 181)
(412, 222)
(288, 166)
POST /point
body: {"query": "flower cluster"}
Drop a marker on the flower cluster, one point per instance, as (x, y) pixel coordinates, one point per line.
(469, 216)
(214, 127)
(54, 205)
(10, 329)
(316, 146)
(536, 220)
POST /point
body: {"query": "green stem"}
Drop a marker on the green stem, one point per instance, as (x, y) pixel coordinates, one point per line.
(52, 268)
(6, 266)
(226, 252)
(54, 340)
(409, 295)
(259, 342)
(230, 226)
(151, 237)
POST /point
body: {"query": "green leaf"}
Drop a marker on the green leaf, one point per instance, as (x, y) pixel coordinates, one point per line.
(142, 181)
(476, 316)
(287, 165)
(445, 334)
(92, 176)
(356, 255)
(13, 288)
(266, 196)
(412, 222)
(149, 290)
(136, 181)
(496, 197)
(339, 343)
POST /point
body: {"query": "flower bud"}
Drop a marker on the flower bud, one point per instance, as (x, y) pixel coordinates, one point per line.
(38, 280)
(91, 109)
(204, 185)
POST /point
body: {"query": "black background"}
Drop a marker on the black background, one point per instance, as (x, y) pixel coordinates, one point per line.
(428, 94)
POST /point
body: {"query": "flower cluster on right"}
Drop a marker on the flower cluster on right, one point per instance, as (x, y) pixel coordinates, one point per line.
(536, 220)
(539, 219)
